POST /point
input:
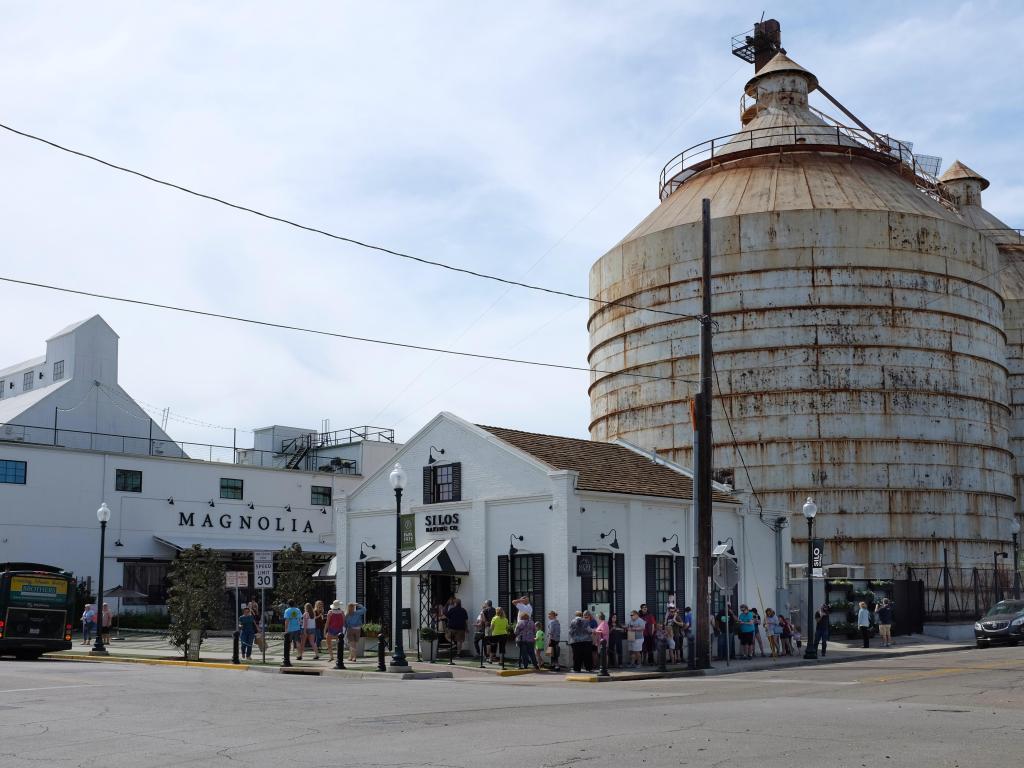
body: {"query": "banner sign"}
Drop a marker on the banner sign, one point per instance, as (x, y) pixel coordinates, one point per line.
(408, 529)
(38, 589)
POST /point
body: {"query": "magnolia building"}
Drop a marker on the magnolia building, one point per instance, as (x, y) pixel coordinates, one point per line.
(492, 513)
(72, 438)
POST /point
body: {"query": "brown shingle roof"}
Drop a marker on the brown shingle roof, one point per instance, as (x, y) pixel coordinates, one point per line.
(604, 467)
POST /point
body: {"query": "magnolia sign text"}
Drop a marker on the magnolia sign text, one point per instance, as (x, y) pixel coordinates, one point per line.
(245, 523)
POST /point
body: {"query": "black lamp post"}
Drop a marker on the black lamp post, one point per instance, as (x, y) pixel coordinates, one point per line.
(103, 515)
(811, 648)
(996, 586)
(1015, 530)
(398, 479)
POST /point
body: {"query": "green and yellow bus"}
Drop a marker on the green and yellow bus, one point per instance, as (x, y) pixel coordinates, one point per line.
(36, 606)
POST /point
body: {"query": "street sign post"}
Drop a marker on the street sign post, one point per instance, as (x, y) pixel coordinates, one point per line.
(236, 579)
(263, 579)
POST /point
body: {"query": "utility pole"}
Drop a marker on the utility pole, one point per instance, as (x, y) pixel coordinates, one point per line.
(702, 456)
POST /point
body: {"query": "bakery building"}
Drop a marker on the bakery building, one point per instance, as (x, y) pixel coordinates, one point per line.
(490, 512)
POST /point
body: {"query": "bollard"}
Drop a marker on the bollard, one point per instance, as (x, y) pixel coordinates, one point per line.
(234, 647)
(662, 646)
(381, 667)
(340, 662)
(287, 662)
(602, 653)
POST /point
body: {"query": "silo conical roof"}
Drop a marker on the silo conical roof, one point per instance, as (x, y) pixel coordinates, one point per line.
(958, 171)
(780, 62)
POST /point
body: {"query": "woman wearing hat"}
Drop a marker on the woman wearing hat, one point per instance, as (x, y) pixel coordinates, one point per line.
(335, 624)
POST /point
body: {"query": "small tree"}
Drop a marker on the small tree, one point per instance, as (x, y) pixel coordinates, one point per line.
(196, 594)
(293, 575)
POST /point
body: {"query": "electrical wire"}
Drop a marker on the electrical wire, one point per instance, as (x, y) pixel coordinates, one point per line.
(332, 235)
(334, 334)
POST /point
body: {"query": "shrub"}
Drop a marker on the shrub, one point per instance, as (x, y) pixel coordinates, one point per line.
(196, 594)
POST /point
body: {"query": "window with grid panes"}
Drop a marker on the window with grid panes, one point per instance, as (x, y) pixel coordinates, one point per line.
(58, 370)
(320, 495)
(230, 488)
(664, 585)
(128, 480)
(443, 482)
(522, 576)
(13, 472)
(27, 381)
(601, 579)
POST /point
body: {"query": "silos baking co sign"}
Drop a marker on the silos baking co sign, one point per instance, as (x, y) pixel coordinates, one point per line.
(441, 523)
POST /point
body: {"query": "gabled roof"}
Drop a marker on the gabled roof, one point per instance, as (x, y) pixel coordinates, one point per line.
(79, 324)
(22, 366)
(959, 171)
(605, 467)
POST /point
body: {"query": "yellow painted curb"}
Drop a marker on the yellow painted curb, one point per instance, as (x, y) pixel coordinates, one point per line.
(514, 672)
(581, 678)
(153, 662)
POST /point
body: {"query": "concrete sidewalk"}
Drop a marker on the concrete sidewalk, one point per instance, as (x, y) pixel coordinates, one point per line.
(216, 652)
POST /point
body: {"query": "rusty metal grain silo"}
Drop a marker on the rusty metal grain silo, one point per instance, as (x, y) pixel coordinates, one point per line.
(859, 345)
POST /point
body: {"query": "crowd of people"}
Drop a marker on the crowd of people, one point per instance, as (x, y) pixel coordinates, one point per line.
(593, 638)
(88, 620)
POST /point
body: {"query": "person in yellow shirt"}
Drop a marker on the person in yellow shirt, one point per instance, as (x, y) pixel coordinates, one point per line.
(499, 631)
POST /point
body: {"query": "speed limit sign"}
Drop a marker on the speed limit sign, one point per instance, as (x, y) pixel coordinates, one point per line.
(263, 569)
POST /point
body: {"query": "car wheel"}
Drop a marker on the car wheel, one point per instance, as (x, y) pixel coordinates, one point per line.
(983, 643)
(1014, 643)
(27, 655)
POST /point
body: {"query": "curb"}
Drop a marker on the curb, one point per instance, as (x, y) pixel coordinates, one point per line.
(734, 670)
(151, 662)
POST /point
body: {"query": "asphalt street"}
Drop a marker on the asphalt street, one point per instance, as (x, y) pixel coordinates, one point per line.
(963, 708)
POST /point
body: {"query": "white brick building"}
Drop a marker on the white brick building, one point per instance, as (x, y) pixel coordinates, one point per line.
(620, 516)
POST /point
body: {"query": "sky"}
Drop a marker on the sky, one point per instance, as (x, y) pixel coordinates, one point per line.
(522, 140)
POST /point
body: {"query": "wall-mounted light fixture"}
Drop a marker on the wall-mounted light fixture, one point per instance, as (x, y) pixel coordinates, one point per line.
(430, 454)
(512, 547)
(118, 543)
(250, 505)
(287, 507)
(170, 500)
(212, 504)
(362, 554)
(615, 538)
(323, 510)
(666, 539)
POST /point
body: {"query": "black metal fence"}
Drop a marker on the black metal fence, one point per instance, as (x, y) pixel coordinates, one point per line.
(147, 445)
(961, 593)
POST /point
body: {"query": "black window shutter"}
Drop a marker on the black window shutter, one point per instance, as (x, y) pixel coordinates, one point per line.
(680, 582)
(457, 481)
(428, 486)
(649, 576)
(619, 606)
(503, 599)
(361, 583)
(539, 614)
(586, 589)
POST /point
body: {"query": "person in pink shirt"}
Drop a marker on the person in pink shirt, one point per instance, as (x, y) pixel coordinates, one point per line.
(602, 633)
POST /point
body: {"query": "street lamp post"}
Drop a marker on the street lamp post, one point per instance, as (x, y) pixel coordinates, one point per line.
(1015, 530)
(811, 648)
(997, 590)
(398, 479)
(103, 515)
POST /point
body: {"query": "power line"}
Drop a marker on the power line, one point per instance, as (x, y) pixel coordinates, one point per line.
(334, 334)
(332, 235)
